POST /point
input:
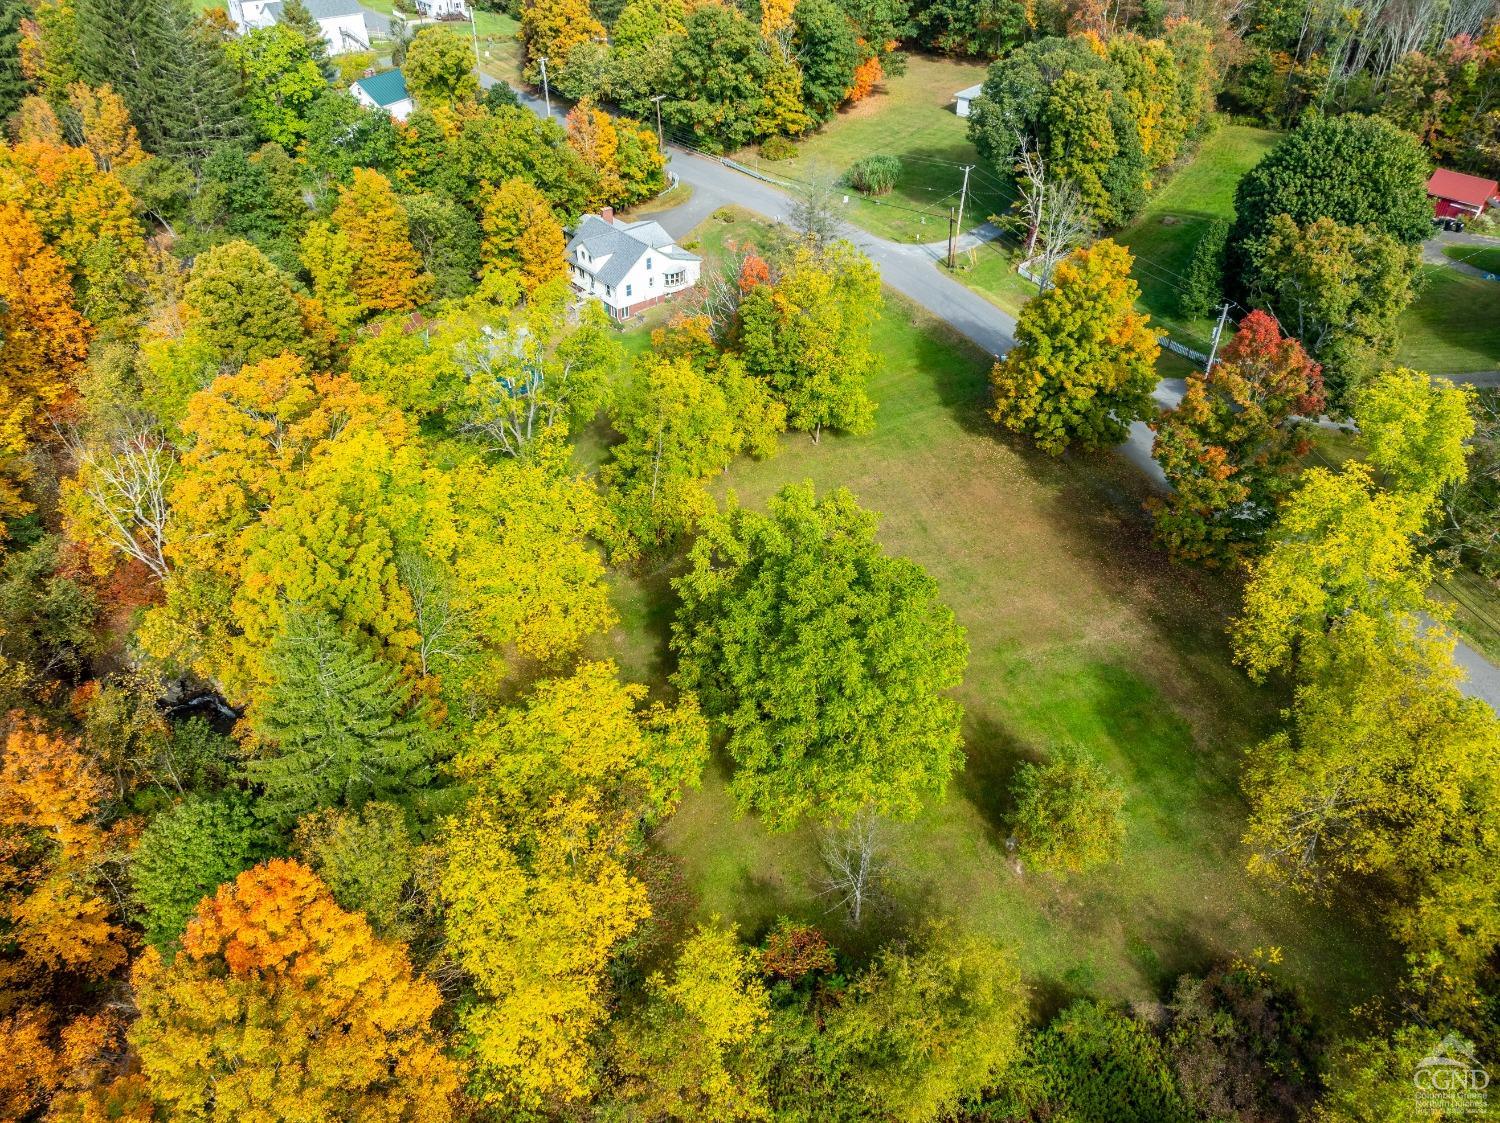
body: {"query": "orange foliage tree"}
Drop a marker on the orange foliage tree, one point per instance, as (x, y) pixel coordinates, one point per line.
(592, 134)
(521, 233)
(387, 274)
(867, 75)
(281, 1005)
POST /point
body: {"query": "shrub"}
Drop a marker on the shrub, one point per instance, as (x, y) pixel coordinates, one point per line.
(1068, 813)
(777, 148)
(874, 175)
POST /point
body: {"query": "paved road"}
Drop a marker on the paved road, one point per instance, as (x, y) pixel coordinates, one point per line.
(912, 271)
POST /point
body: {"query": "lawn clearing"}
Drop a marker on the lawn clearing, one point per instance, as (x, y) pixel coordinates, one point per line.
(910, 117)
(1486, 258)
(1078, 632)
(1454, 325)
(1179, 214)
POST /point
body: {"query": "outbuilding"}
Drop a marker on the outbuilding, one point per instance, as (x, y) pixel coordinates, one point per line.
(1456, 195)
(386, 90)
(964, 98)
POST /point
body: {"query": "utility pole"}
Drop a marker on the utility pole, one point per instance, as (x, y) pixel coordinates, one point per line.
(1218, 331)
(952, 240)
(963, 195)
(661, 144)
(546, 93)
(474, 29)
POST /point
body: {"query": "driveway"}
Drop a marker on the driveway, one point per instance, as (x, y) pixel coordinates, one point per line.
(1432, 251)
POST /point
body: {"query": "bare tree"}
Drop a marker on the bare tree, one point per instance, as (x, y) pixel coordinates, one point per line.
(1054, 213)
(856, 859)
(814, 213)
(125, 481)
(439, 621)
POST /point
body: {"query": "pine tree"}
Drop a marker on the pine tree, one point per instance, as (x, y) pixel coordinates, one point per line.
(294, 14)
(1205, 275)
(13, 83)
(339, 725)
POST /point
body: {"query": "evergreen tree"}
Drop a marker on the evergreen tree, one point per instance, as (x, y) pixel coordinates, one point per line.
(13, 83)
(338, 725)
(1205, 275)
(294, 14)
(171, 71)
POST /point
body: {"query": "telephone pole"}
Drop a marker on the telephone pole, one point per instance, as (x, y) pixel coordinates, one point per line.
(952, 240)
(1218, 331)
(963, 195)
(661, 144)
(546, 93)
(474, 29)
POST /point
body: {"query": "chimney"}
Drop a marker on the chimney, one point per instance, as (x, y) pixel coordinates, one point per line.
(607, 214)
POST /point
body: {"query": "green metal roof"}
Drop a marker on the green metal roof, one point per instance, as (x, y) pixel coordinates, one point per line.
(385, 89)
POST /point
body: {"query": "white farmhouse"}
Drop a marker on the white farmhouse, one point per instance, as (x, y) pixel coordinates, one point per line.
(387, 91)
(628, 266)
(342, 21)
(443, 9)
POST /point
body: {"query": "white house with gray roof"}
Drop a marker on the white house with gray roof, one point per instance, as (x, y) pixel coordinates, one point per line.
(342, 21)
(628, 266)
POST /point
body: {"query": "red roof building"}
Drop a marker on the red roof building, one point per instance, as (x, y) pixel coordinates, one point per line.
(1454, 194)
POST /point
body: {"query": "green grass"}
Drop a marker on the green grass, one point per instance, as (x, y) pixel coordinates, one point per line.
(1454, 325)
(1078, 631)
(990, 270)
(910, 117)
(1486, 258)
(1179, 214)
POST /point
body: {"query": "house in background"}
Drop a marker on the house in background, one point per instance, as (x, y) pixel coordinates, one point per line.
(1456, 195)
(964, 98)
(387, 91)
(442, 9)
(628, 266)
(342, 21)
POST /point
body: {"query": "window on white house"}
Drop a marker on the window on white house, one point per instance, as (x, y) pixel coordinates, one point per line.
(675, 278)
(651, 282)
(627, 290)
(648, 263)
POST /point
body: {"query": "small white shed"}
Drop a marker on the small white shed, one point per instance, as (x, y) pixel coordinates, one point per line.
(963, 98)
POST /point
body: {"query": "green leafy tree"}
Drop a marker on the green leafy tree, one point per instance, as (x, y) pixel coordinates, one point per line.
(343, 135)
(1341, 290)
(1371, 1078)
(337, 726)
(1084, 364)
(371, 864)
(242, 305)
(14, 85)
(1204, 284)
(1340, 549)
(718, 76)
(690, 1053)
(977, 28)
(295, 15)
(808, 336)
(185, 854)
(825, 661)
(447, 237)
(281, 80)
(256, 197)
(827, 49)
(1230, 449)
(1416, 430)
(1069, 814)
(439, 69)
(926, 1028)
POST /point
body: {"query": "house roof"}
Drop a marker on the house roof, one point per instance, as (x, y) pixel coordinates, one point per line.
(1461, 188)
(970, 92)
(385, 89)
(620, 245)
(329, 9)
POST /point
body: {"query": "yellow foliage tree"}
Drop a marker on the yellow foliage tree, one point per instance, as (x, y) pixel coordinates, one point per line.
(521, 233)
(281, 1005)
(592, 134)
(550, 29)
(386, 274)
(108, 133)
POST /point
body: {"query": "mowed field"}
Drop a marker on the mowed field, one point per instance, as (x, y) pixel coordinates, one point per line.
(911, 117)
(1454, 325)
(1079, 632)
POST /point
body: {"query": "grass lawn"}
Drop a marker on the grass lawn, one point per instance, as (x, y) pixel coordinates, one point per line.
(1179, 213)
(1079, 632)
(990, 270)
(910, 117)
(1453, 326)
(1486, 258)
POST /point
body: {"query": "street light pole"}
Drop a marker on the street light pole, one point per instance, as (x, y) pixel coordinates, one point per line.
(546, 93)
(661, 144)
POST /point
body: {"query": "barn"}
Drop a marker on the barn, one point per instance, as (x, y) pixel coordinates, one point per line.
(1456, 195)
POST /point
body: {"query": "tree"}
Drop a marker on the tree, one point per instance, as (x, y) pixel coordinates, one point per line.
(116, 505)
(1055, 217)
(808, 336)
(924, 1029)
(978, 28)
(295, 15)
(689, 1054)
(1230, 449)
(719, 76)
(1069, 813)
(243, 305)
(681, 426)
(184, 855)
(855, 859)
(439, 69)
(104, 122)
(1352, 170)
(1083, 367)
(1416, 430)
(827, 49)
(1340, 549)
(14, 83)
(824, 661)
(1204, 284)
(343, 1028)
(336, 725)
(553, 29)
(1343, 287)
(281, 79)
(447, 237)
(592, 134)
(371, 864)
(521, 233)
(386, 271)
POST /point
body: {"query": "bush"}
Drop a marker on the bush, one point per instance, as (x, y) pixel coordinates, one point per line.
(1068, 813)
(777, 148)
(874, 175)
